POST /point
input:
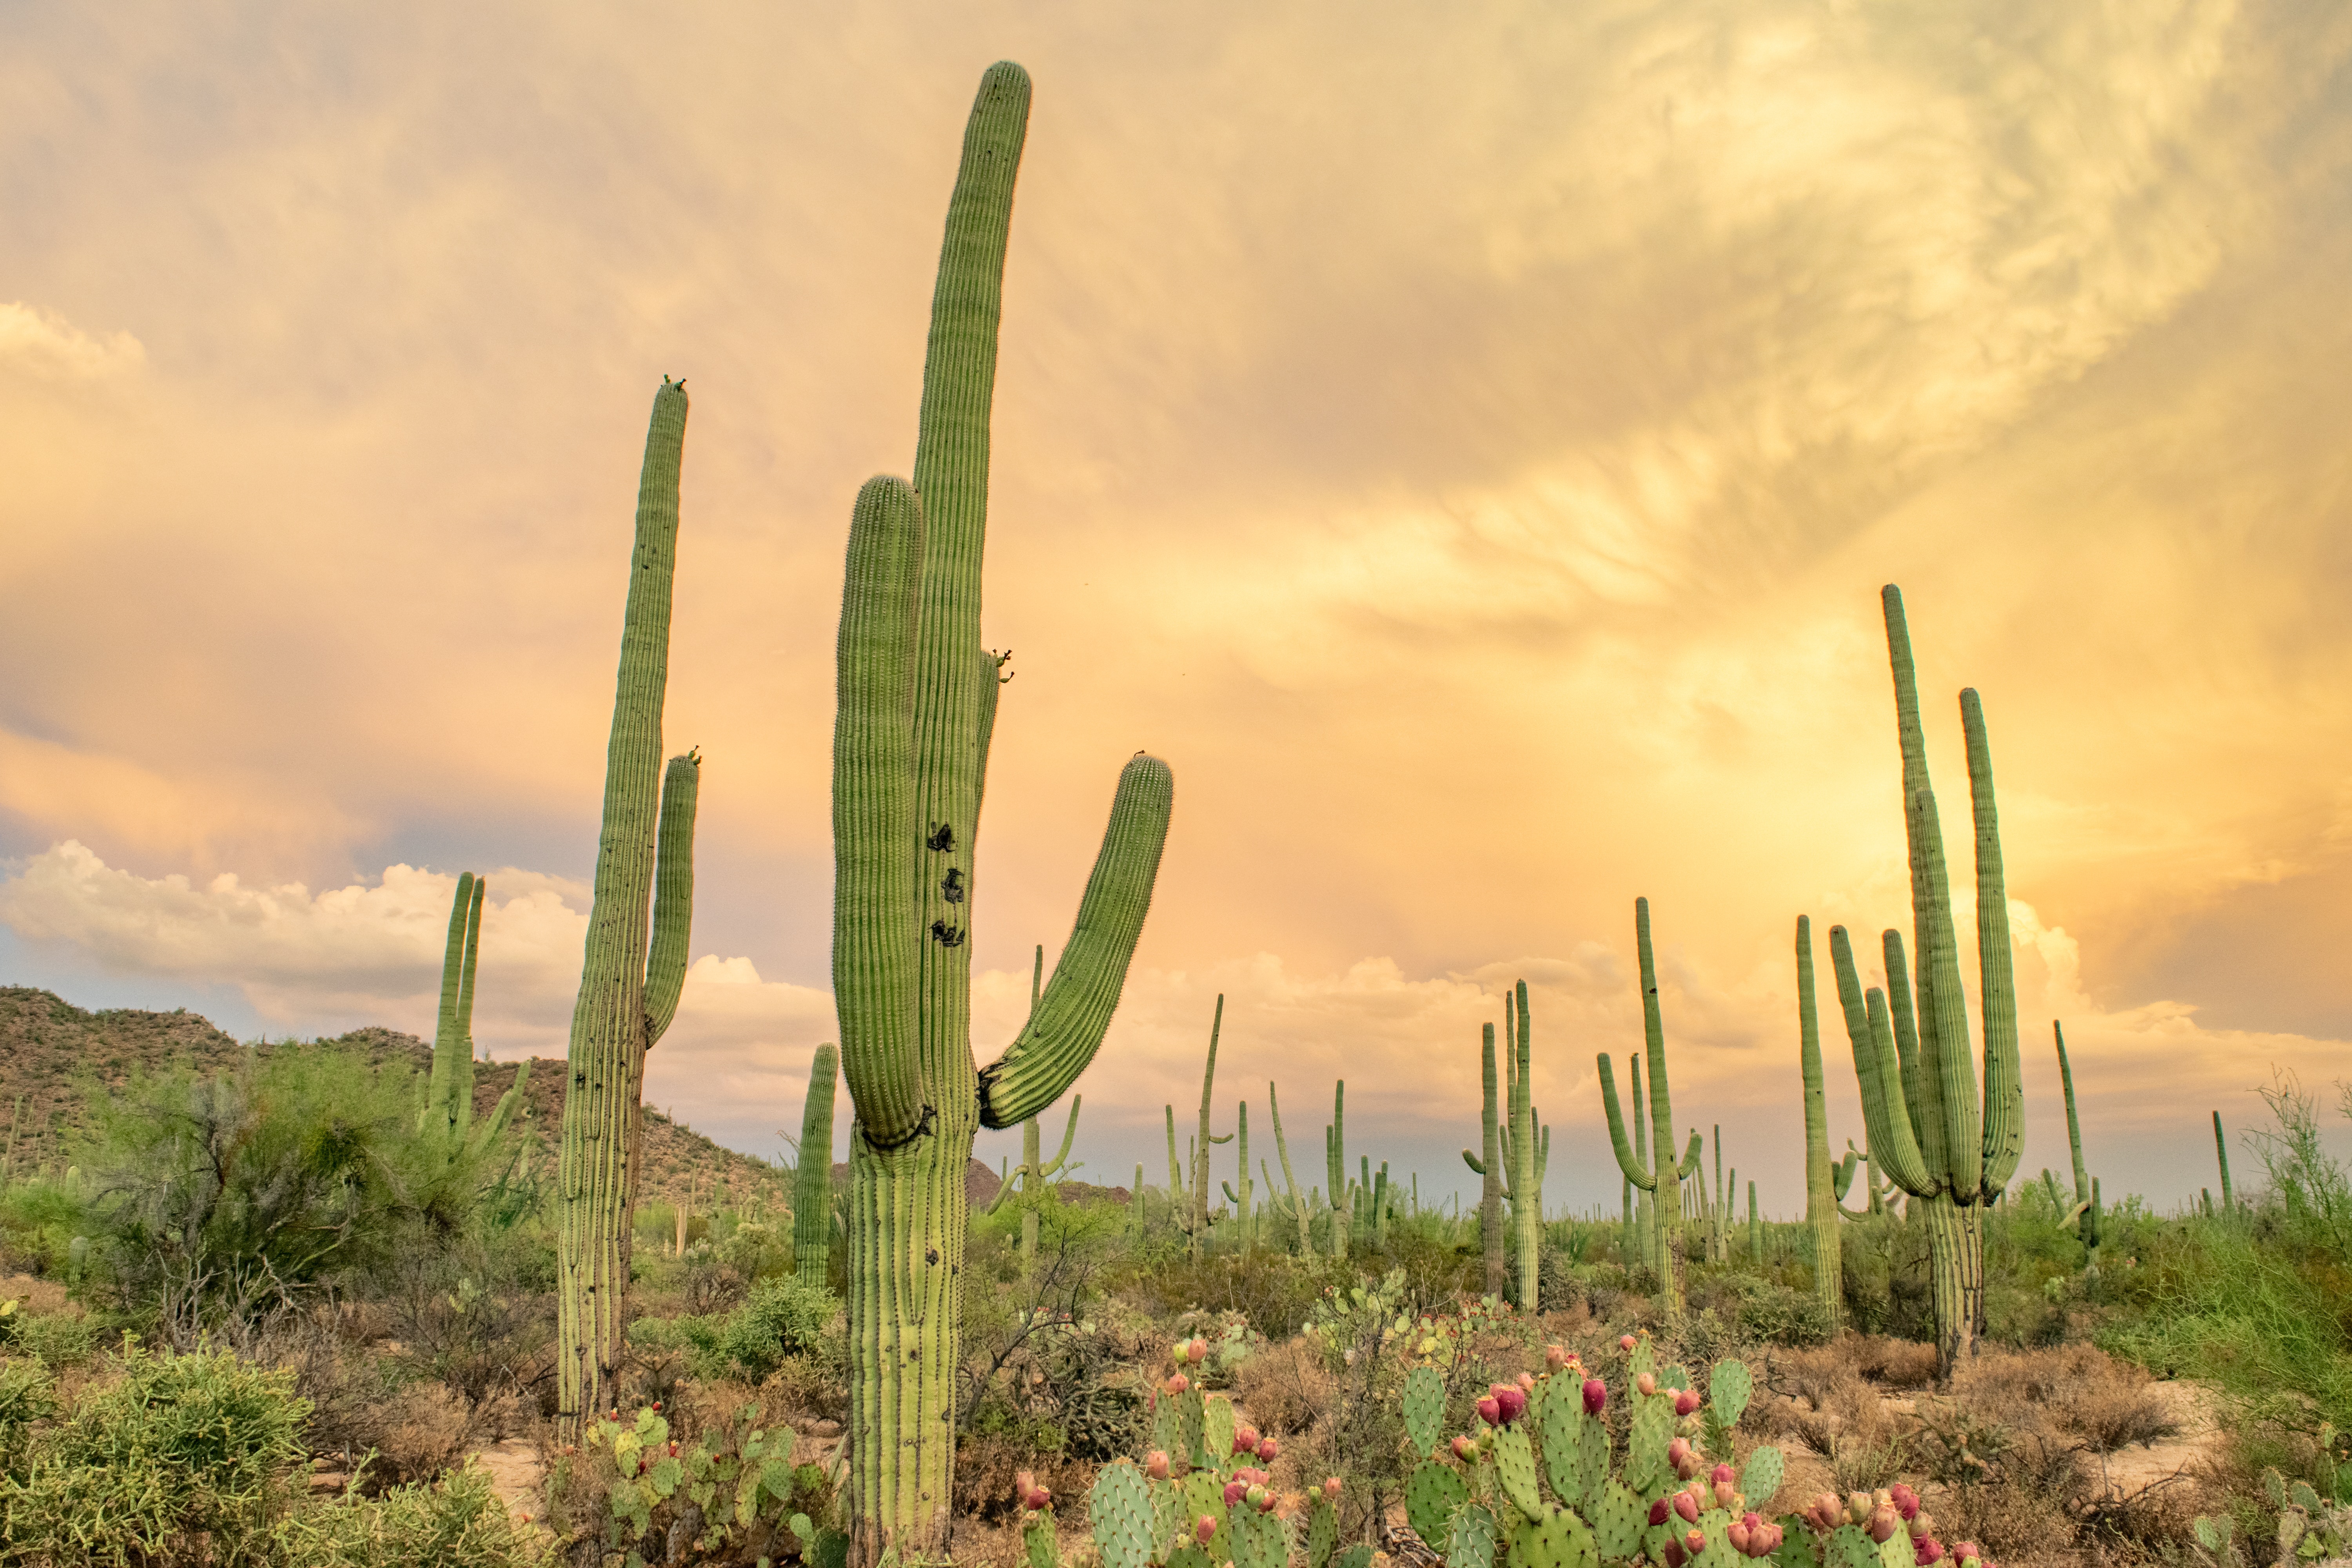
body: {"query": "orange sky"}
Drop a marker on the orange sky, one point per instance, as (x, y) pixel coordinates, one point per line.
(1467, 442)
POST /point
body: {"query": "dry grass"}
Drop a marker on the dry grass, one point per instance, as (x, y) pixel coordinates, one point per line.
(1284, 1388)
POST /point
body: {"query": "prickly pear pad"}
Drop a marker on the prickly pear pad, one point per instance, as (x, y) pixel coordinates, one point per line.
(1039, 1539)
(1727, 1389)
(1620, 1516)
(1645, 1446)
(1515, 1469)
(1471, 1537)
(1557, 1539)
(1425, 1410)
(1322, 1531)
(1848, 1547)
(1431, 1496)
(1593, 1457)
(1761, 1477)
(1204, 1493)
(1717, 1553)
(1259, 1540)
(1643, 1358)
(1189, 1423)
(1167, 1520)
(1189, 1556)
(1217, 1429)
(1168, 1428)
(1563, 1448)
(1119, 1507)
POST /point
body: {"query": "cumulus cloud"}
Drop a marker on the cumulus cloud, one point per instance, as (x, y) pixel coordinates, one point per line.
(42, 345)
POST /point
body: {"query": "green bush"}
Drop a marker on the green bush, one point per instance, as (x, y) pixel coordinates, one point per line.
(783, 1317)
(26, 1398)
(53, 1339)
(174, 1451)
(455, 1523)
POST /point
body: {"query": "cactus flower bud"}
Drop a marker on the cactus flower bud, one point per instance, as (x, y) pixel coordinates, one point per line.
(1178, 1383)
(1658, 1511)
(1255, 1495)
(1735, 1532)
(1647, 1384)
(1906, 1500)
(1694, 1541)
(1858, 1507)
(1686, 1506)
(1723, 1475)
(1155, 1464)
(1490, 1410)
(1176, 1352)
(1685, 1401)
(1197, 1352)
(1927, 1550)
(1514, 1402)
(1331, 1487)
(1884, 1523)
(1625, 1342)
(1206, 1527)
(1464, 1449)
(1596, 1395)
(1234, 1490)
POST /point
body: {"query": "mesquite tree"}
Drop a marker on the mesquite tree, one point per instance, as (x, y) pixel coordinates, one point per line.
(1952, 1152)
(635, 966)
(916, 696)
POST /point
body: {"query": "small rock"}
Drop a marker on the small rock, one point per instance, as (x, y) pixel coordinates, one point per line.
(824, 1428)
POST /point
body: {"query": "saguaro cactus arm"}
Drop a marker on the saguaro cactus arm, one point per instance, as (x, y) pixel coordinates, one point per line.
(813, 1181)
(452, 1048)
(2004, 1089)
(1636, 1171)
(1884, 1114)
(673, 894)
(2221, 1152)
(1289, 1180)
(1067, 1026)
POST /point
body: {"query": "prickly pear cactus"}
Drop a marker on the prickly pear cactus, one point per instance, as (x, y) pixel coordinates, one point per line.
(1191, 1420)
(1593, 1457)
(1167, 1520)
(1727, 1389)
(1848, 1547)
(1119, 1508)
(1431, 1496)
(1619, 1517)
(1259, 1540)
(1357, 1556)
(1761, 1476)
(1563, 1448)
(1641, 1358)
(1424, 1409)
(1323, 1532)
(1471, 1537)
(1216, 1431)
(1039, 1539)
(1515, 1469)
(1204, 1496)
(1189, 1556)
(1167, 1427)
(1557, 1539)
(1645, 1444)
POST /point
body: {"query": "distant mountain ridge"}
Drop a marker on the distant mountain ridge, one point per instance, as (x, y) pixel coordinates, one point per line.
(49, 1048)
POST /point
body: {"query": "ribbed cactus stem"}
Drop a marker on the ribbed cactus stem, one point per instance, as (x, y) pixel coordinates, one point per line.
(1242, 1213)
(2087, 1227)
(1755, 1228)
(1643, 1197)
(2221, 1152)
(449, 1092)
(1200, 1145)
(1667, 1205)
(611, 1021)
(1289, 1178)
(1335, 1159)
(914, 715)
(1178, 1202)
(812, 1180)
(1135, 1205)
(1820, 1196)
(1490, 1169)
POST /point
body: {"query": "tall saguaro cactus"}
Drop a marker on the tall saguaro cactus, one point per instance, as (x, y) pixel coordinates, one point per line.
(1289, 1178)
(2085, 1213)
(1936, 1141)
(1489, 1167)
(635, 964)
(1335, 1163)
(812, 1180)
(449, 1092)
(2221, 1152)
(916, 703)
(1202, 1144)
(1660, 1178)
(1821, 1195)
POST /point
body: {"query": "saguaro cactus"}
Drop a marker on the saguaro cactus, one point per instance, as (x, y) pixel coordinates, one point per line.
(1489, 1168)
(1920, 1096)
(1756, 1230)
(813, 1181)
(1664, 1183)
(1525, 1147)
(2085, 1213)
(1241, 1198)
(2221, 1152)
(633, 968)
(1820, 1196)
(1202, 1145)
(1335, 1161)
(449, 1092)
(917, 702)
(1289, 1179)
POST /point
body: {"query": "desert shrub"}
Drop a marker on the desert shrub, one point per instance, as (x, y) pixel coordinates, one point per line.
(1276, 1292)
(455, 1523)
(174, 1450)
(784, 1316)
(27, 1396)
(53, 1339)
(1777, 1315)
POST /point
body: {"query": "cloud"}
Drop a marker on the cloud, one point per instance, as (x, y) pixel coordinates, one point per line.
(43, 346)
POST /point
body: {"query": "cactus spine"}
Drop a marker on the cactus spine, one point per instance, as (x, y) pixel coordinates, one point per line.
(1289, 1180)
(1663, 1184)
(916, 706)
(2221, 1152)
(1820, 1196)
(1490, 1170)
(812, 1180)
(634, 966)
(449, 1092)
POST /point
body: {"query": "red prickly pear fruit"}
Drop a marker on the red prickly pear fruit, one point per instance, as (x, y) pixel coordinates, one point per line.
(1197, 1352)
(1722, 1474)
(1906, 1500)
(1490, 1410)
(1155, 1464)
(1625, 1342)
(1266, 1504)
(1206, 1527)
(1673, 1554)
(1685, 1401)
(1331, 1487)
(1464, 1449)
(1245, 1440)
(1686, 1506)
(1178, 1383)
(1233, 1491)
(1694, 1541)
(1966, 1552)
(1041, 1499)
(1735, 1532)
(1268, 1450)
(1927, 1550)
(1723, 1492)
(1884, 1523)
(1596, 1395)
(1647, 1384)
(1676, 1451)
(1513, 1402)
(1658, 1511)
